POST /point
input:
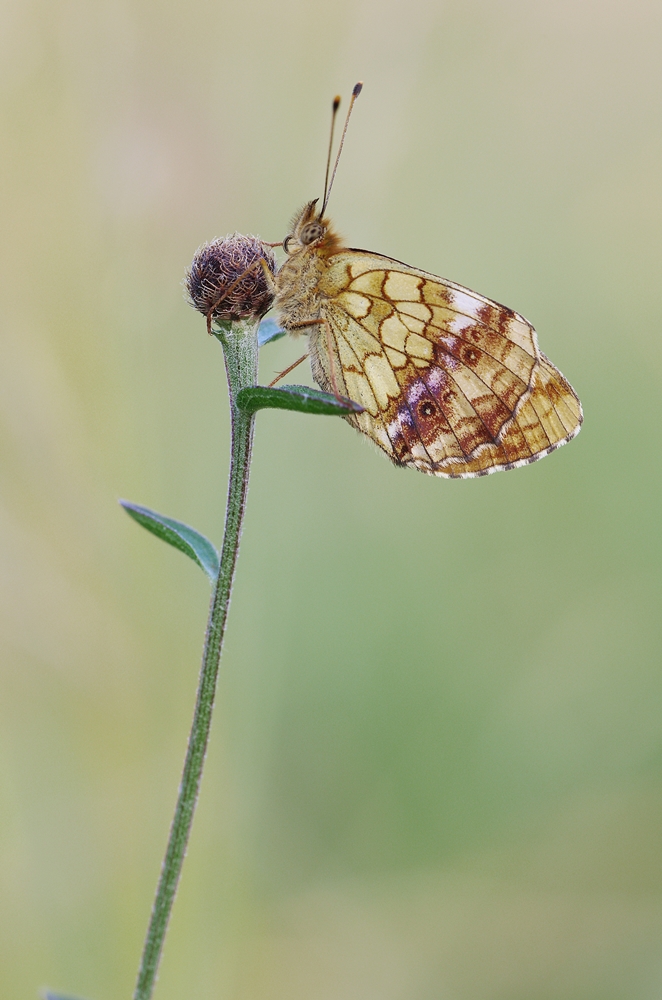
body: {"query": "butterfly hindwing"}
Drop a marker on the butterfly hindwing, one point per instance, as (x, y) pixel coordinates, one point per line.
(452, 383)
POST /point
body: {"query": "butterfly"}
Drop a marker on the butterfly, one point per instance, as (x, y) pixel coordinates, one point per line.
(451, 383)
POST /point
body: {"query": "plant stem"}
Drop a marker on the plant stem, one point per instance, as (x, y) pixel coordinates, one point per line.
(239, 340)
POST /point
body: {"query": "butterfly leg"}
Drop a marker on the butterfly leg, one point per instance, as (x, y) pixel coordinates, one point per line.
(287, 371)
(265, 267)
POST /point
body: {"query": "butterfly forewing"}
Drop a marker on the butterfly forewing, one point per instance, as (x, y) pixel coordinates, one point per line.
(452, 383)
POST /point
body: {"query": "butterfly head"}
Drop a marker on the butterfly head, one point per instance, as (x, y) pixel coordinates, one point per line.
(310, 230)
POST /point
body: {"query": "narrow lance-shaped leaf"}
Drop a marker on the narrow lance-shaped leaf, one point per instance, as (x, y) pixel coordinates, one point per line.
(300, 398)
(176, 533)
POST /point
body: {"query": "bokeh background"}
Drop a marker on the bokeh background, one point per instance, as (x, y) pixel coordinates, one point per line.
(436, 767)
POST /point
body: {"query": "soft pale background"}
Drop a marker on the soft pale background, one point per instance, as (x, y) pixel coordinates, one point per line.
(436, 768)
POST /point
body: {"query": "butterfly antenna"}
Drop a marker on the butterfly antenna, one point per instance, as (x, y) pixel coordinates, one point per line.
(334, 112)
(327, 192)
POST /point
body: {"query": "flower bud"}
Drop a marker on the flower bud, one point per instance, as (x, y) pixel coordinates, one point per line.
(226, 280)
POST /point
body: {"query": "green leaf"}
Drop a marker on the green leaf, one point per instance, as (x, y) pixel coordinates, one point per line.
(301, 398)
(178, 534)
(269, 330)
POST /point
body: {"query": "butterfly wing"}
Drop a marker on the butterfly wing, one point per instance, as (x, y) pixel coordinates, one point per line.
(452, 383)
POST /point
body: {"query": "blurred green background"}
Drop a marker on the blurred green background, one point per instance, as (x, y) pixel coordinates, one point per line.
(436, 767)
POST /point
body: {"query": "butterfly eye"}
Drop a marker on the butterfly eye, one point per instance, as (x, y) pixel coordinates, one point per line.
(311, 232)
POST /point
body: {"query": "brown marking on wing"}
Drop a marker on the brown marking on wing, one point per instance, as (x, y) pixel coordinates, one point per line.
(495, 317)
(501, 381)
(514, 443)
(396, 431)
(467, 427)
(423, 425)
(544, 408)
(510, 325)
(427, 412)
(436, 293)
(445, 325)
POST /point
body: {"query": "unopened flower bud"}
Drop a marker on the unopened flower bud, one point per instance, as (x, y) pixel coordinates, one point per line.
(226, 280)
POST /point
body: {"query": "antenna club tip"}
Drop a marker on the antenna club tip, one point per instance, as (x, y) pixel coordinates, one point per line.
(358, 87)
(336, 102)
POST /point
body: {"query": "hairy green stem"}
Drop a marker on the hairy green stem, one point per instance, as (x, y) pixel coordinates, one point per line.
(239, 340)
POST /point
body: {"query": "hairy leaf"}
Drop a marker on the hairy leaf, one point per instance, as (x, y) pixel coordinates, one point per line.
(177, 534)
(301, 398)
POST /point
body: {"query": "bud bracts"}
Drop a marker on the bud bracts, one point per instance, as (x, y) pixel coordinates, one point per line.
(226, 280)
